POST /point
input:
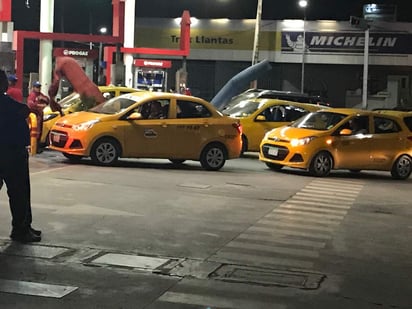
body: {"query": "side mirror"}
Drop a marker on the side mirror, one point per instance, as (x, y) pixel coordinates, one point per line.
(134, 116)
(260, 118)
(345, 132)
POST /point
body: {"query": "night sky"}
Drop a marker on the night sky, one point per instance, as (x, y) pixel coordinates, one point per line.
(86, 16)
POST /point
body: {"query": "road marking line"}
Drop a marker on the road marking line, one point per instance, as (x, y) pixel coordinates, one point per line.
(282, 239)
(35, 288)
(313, 209)
(301, 200)
(323, 197)
(310, 214)
(286, 231)
(273, 249)
(275, 223)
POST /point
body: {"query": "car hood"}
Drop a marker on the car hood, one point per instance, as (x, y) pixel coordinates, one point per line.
(288, 133)
(80, 117)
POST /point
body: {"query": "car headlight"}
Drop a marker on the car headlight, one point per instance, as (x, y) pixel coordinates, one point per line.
(48, 117)
(85, 125)
(301, 141)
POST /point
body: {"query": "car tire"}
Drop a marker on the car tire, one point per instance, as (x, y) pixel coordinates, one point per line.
(105, 151)
(177, 161)
(274, 166)
(402, 167)
(213, 157)
(244, 145)
(321, 164)
(72, 157)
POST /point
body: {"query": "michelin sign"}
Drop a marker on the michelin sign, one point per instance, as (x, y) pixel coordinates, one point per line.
(346, 42)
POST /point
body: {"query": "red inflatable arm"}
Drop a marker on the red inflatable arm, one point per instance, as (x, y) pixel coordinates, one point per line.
(69, 68)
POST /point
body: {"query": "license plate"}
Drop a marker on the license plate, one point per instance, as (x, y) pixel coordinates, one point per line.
(56, 138)
(273, 151)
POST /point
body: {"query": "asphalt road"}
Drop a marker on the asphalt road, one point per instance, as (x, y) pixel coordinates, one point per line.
(147, 234)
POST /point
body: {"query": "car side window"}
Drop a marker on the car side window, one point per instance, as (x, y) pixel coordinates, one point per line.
(274, 113)
(188, 109)
(385, 125)
(293, 113)
(157, 109)
(408, 122)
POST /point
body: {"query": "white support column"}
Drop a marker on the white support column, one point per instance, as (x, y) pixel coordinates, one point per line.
(365, 71)
(46, 46)
(129, 25)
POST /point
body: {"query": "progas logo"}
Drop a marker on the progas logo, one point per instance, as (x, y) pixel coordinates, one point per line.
(153, 63)
(82, 53)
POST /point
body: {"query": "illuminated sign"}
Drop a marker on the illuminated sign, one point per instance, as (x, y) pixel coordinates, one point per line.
(151, 63)
(349, 42)
(73, 52)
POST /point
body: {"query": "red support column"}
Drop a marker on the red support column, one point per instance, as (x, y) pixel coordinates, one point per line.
(5, 10)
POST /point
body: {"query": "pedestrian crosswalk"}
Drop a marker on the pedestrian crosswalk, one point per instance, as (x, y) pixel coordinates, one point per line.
(291, 237)
(294, 233)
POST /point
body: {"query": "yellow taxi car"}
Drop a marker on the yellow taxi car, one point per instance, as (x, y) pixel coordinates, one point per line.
(73, 103)
(259, 116)
(149, 125)
(342, 139)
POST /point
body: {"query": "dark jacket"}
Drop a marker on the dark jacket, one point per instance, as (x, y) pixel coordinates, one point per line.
(14, 130)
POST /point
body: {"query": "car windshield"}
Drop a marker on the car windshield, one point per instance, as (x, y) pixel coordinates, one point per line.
(247, 95)
(243, 108)
(70, 100)
(113, 106)
(319, 121)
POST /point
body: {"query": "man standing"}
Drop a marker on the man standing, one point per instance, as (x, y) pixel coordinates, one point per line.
(37, 101)
(13, 91)
(14, 163)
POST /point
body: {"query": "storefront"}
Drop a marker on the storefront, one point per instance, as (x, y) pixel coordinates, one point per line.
(332, 56)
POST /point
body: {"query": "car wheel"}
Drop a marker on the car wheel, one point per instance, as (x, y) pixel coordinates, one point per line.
(244, 144)
(321, 164)
(274, 166)
(72, 158)
(213, 157)
(402, 167)
(177, 161)
(105, 151)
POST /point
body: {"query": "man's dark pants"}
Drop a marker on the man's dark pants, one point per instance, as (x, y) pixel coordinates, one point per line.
(14, 169)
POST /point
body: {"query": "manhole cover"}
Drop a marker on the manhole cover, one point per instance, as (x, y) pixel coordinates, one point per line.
(267, 277)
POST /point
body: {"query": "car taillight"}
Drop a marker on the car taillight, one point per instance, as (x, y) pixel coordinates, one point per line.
(409, 138)
(238, 127)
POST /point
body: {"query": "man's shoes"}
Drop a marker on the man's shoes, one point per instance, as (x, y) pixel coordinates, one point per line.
(25, 237)
(34, 231)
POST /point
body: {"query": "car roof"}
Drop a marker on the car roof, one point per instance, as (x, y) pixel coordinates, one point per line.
(282, 95)
(121, 88)
(260, 100)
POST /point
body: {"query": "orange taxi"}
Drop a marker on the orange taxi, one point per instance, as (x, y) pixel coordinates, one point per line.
(259, 116)
(342, 139)
(149, 125)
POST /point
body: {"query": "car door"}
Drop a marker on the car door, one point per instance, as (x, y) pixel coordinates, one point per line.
(192, 128)
(145, 137)
(387, 142)
(353, 151)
